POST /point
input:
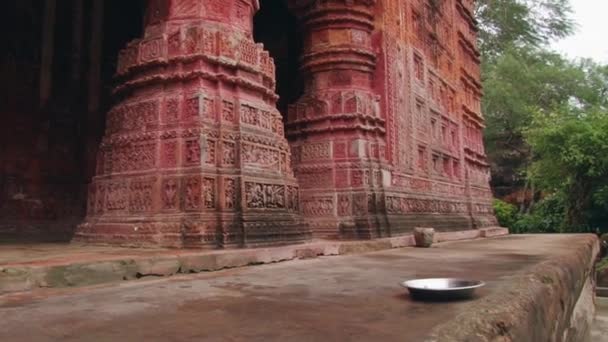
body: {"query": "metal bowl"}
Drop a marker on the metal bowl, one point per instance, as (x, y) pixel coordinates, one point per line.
(440, 289)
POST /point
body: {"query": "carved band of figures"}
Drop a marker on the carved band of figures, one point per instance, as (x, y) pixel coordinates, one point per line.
(198, 42)
(314, 151)
(402, 205)
(129, 157)
(266, 119)
(418, 184)
(132, 117)
(318, 206)
(271, 196)
(258, 156)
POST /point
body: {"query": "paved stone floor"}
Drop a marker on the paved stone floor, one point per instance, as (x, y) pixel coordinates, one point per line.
(600, 327)
(345, 298)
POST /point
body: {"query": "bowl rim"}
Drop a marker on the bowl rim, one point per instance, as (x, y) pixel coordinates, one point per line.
(478, 284)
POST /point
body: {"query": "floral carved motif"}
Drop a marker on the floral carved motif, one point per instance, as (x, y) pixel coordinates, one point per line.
(151, 50)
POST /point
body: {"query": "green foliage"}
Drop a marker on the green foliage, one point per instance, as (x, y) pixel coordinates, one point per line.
(523, 84)
(547, 117)
(570, 164)
(545, 217)
(602, 265)
(516, 74)
(571, 158)
(521, 23)
(506, 213)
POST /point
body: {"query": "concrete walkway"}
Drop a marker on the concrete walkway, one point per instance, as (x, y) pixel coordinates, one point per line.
(346, 298)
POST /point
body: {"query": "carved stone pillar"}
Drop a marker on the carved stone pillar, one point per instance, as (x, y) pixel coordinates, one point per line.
(195, 153)
(336, 129)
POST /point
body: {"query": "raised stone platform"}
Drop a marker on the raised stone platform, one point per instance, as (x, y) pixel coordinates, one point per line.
(25, 267)
(539, 288)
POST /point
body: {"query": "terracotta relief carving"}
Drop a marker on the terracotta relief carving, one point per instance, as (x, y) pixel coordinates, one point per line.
(264, 196)
(388, 125)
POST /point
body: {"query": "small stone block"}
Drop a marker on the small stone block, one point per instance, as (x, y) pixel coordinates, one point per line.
(494, 231)
(424, 236)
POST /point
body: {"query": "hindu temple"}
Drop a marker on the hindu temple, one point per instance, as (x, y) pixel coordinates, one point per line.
(240, 123)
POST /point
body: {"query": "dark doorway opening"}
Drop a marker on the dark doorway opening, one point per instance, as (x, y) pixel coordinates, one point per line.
(276, 27)
(47, 147)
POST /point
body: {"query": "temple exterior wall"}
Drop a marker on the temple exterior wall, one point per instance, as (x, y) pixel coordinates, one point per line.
(387, 135)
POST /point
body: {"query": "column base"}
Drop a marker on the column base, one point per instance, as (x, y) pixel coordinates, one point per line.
(231, 231)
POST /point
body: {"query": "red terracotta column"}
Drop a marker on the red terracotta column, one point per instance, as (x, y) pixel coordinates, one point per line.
(195, 153)
(336, 129)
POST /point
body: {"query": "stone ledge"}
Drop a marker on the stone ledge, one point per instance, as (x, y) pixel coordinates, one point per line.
(539, 288)
(493, 231)
(552, 301)
(78, 268)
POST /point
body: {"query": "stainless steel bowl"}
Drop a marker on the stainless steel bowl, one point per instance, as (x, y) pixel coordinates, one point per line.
(439, 289)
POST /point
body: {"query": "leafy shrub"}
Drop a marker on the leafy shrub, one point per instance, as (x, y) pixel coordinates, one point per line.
(529, 224)
(602, 265)
(571, 159)
(547, 216)
(506, 213)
